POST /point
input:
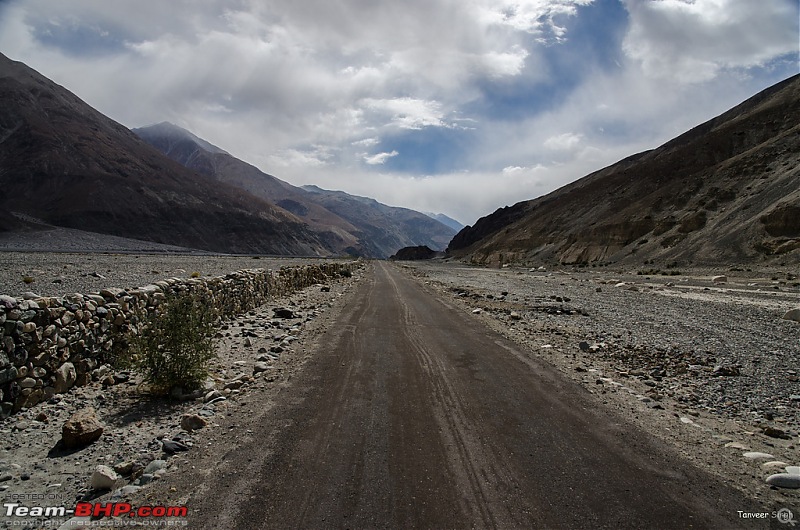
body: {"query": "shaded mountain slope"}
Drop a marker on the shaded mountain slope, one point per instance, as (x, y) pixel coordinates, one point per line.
(727, 191)
(68, 165)
(345, 223)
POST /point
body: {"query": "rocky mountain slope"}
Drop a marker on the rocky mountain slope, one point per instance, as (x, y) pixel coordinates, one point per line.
(63, 163)
(345, 223)
(727, 191)
(444, 219)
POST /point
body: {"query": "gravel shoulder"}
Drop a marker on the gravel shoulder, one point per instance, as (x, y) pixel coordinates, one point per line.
(655, 349)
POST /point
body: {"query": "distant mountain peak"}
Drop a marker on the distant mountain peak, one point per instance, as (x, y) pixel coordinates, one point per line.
(174, 132)
(445, 220)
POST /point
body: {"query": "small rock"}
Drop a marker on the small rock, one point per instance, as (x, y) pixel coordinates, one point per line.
(260, 366)
(234, 385)
(720, 279)
(792, 314)
(247, 342)
(124, 468)
(726, 370)
(775, 464)
(737, 445)
(793, 470)
(81, 429)
(172, 447)
(282, 312)
(211, 396)
(515, 316)
(155, 465)
(774, 432)
(583, 345)
(192, 422)
(784, 480)
(755, 455)
(103, 478)
(477, 311)
(65, 378)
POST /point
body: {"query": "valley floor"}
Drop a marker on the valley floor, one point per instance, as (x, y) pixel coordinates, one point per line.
(682, 380)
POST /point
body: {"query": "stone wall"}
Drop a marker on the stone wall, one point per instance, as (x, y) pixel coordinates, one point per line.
(49, 345)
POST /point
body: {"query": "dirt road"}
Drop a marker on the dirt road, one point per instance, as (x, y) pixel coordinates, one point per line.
(413, 415)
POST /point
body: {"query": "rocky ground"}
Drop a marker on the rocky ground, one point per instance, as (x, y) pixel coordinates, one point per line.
(257, 353)
(57, 274)
(711, 367)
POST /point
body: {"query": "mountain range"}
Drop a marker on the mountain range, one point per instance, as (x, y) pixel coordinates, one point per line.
(347, 224)
(727, 191)
(64, 164)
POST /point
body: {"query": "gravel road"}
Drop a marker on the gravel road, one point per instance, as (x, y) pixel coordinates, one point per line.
(413, 415)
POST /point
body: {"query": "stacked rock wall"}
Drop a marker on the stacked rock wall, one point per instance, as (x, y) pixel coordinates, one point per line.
(51, 344)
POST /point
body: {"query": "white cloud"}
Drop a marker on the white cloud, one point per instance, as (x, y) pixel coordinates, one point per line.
(563, 142)
(307, 90)
(692, 40)
(379, 158)
(407, 113)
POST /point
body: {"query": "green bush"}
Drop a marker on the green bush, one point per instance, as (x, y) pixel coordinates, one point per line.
(174, 346)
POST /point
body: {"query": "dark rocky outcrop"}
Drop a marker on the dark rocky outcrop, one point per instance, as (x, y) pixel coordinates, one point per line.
(415, 254)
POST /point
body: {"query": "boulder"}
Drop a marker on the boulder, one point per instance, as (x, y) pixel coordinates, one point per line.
(192, 422)
(103, 478)
(66, 376)
(81, 429)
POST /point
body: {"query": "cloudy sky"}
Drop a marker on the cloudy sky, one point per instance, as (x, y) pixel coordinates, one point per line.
(453, 106)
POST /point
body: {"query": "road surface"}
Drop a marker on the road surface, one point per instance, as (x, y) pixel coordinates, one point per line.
(415, 415)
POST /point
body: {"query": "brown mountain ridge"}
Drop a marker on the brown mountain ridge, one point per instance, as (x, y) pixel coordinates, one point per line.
(347, 224)
(725, 192)
(65, 164)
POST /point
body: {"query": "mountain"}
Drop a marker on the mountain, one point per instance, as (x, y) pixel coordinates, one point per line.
(725, 192)
(445, 220)
(384, 229)
(345, 223)
(65, 164)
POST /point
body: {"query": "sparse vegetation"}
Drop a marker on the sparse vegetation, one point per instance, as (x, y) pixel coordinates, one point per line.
(28, 279)
(195, 274)
(174, 346)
